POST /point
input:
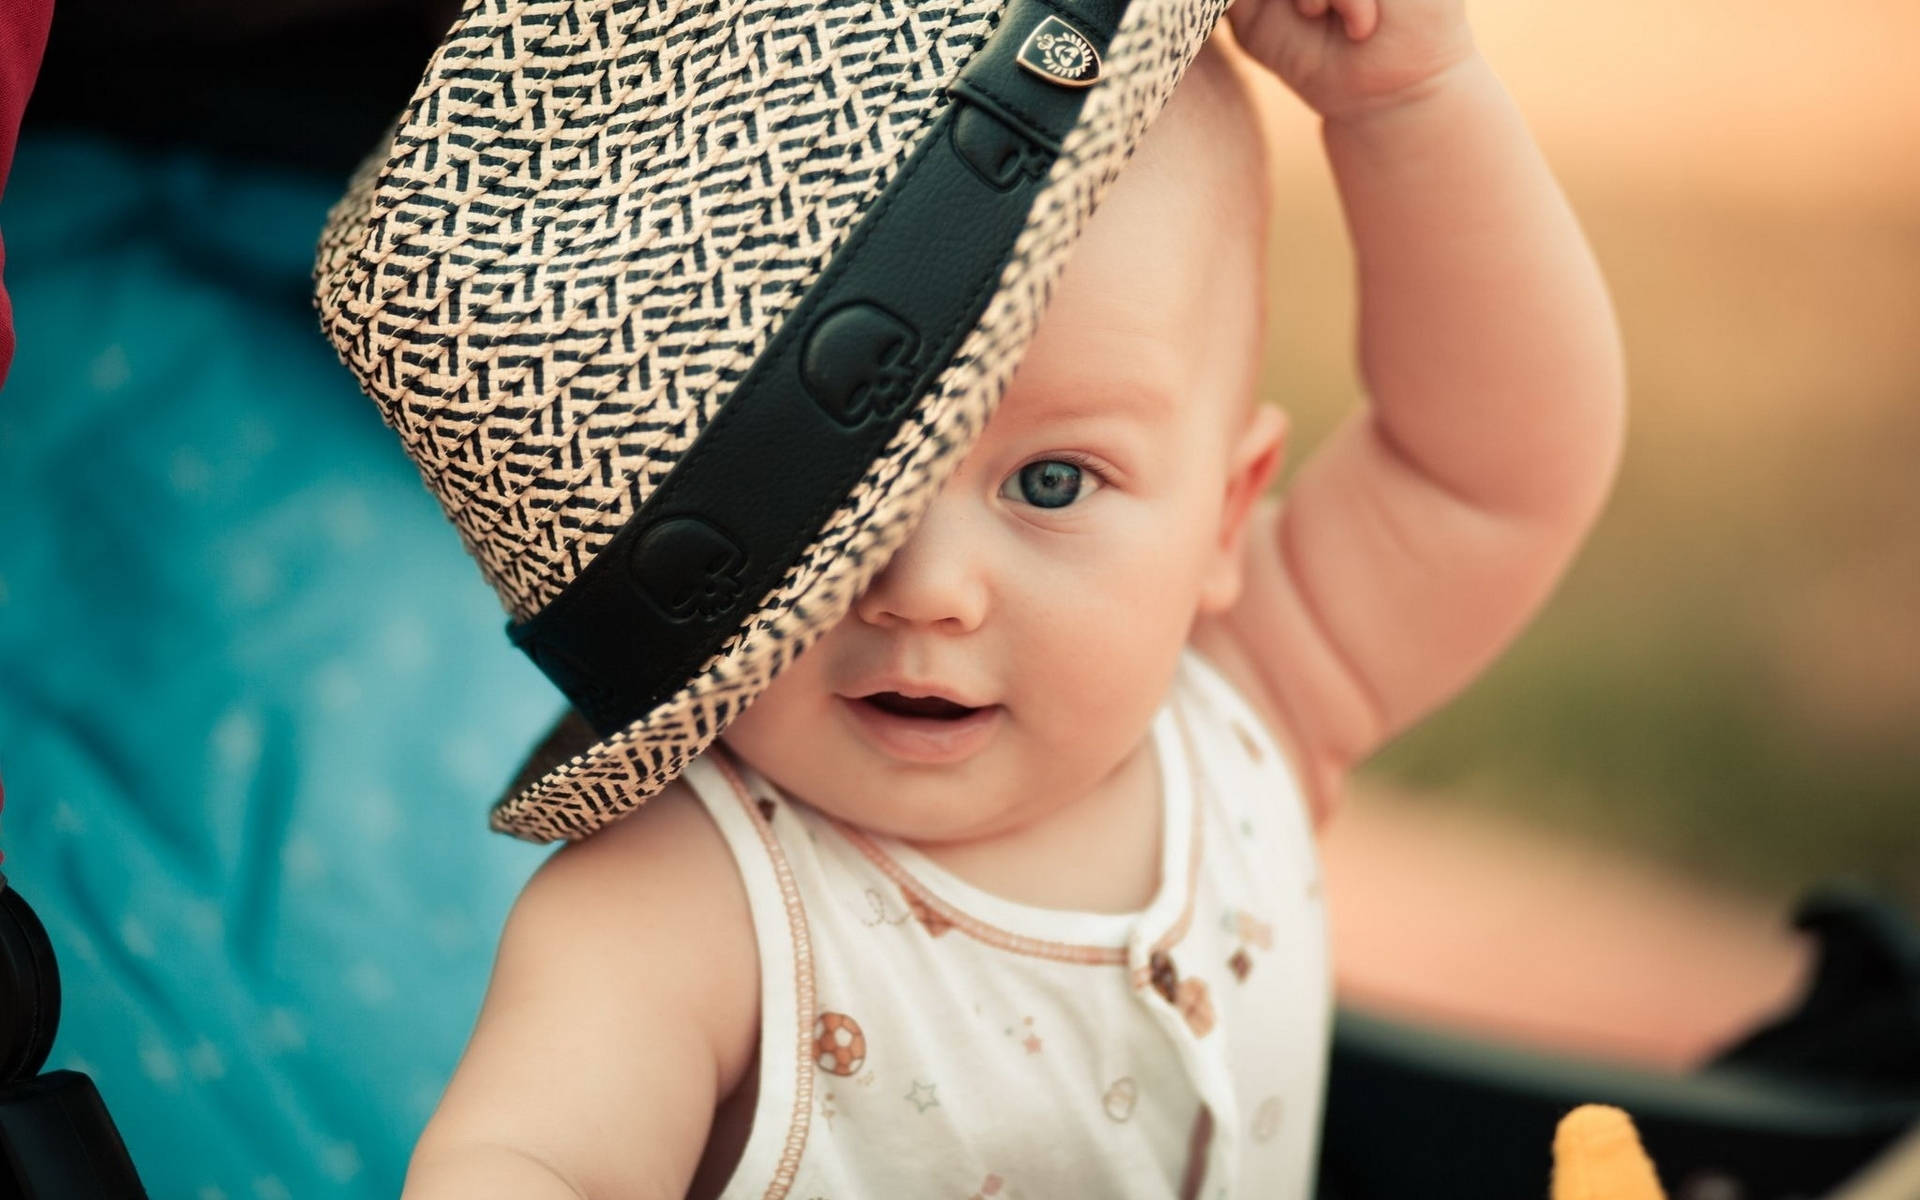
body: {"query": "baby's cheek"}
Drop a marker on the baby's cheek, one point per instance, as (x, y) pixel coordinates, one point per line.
(771, 734)
(1114, 658)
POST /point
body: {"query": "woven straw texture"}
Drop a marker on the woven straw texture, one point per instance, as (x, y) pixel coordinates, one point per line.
(593, 216)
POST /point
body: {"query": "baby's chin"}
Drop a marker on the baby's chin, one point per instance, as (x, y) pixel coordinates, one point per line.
(914, 803)
(923, 810)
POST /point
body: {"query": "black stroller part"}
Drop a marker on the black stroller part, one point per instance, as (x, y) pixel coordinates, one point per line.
(1411, 1112)
(29, 987)
(56, 1140)
(58, 1143)
(1859, 1024)
(308, 84)
(1795, 1109)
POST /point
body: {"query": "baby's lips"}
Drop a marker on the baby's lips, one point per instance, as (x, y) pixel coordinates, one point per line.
(915, 690)
(918, 706)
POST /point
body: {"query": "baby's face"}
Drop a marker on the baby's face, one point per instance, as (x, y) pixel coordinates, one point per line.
(1057, 574)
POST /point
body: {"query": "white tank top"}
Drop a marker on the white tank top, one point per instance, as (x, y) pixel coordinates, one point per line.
(920, 1037)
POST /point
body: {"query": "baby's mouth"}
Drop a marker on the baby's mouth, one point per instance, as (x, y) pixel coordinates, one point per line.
(924, 730)
(936, 708)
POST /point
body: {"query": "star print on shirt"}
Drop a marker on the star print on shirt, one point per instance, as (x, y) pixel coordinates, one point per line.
(922, 1096)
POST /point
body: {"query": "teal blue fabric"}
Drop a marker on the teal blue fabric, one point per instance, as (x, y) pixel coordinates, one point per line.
(254, 697)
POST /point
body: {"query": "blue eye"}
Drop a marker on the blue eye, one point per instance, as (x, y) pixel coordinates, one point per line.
(1049, 483)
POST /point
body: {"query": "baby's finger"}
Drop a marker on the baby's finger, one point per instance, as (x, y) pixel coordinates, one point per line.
(1359, 17)
(1311, 9)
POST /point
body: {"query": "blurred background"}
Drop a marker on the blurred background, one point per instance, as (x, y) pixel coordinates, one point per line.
(246, 793)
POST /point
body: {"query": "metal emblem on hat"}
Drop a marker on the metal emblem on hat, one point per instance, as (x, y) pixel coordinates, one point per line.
(1059, 53)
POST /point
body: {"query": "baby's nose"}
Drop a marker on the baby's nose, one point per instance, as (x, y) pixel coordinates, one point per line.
(937, 578)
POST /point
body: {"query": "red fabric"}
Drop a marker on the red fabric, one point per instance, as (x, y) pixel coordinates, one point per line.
(23, 38)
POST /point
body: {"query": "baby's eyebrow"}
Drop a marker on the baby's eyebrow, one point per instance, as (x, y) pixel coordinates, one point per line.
(1105, 398)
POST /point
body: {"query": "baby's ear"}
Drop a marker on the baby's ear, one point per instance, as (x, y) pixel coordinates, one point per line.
(1253, 462)
(1255, 457)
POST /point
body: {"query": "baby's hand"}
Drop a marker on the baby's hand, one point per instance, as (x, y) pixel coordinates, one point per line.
(1349, 57)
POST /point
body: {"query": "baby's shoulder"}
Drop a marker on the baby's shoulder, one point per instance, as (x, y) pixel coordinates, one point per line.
(629, 958)
(665, 866)
(656, 898)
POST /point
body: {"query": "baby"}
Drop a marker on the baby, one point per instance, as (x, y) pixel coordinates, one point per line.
(1027, 836)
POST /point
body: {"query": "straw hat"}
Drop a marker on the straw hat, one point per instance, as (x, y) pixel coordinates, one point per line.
(686, 308)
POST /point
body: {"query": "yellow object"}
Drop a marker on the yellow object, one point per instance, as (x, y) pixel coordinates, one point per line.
(1597, 1156)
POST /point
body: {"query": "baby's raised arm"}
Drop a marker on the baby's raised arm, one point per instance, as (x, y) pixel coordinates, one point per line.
(1420, 538)
(623, 1005)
